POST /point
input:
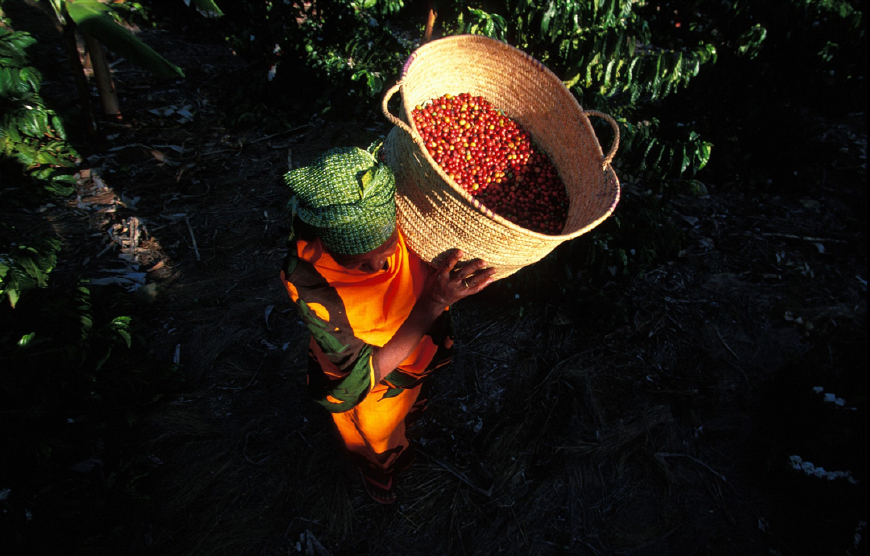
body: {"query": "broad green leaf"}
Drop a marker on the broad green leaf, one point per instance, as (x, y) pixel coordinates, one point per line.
(91, 19)
(59, 129)
(572, 80)
(704, 153)
(126, 336)
(102, 361)
(749, 43)
(678, 66)
(547, 17)
(48, 158)
(13, 295)
(686, 159)
(608, 73)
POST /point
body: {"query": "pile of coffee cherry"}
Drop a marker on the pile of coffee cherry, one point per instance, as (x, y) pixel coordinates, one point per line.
(492, 158)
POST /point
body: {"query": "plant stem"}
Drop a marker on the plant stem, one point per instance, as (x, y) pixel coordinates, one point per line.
(69, 34)
(103, 77)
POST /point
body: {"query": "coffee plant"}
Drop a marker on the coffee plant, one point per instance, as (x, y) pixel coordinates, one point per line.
(657, 67)
(30, 133)
(75, 374)
(36, 160)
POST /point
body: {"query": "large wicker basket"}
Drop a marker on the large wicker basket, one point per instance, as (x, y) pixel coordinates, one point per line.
(434, 212)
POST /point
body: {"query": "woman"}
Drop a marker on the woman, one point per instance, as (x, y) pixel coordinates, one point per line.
(378, 314)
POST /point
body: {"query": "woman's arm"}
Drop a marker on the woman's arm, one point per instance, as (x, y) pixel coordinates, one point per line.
(443, 288)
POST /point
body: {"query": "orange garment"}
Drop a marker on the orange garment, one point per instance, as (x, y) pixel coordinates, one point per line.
(350, 313)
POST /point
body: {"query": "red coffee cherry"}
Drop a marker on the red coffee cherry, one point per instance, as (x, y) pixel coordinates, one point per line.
(492, 158)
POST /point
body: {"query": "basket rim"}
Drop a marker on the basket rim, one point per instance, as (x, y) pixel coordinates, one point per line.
(548, 75)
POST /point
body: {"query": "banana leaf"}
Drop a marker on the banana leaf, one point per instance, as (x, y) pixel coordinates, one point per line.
(91, 18)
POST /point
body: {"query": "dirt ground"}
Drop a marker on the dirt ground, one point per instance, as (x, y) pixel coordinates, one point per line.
(658, 414)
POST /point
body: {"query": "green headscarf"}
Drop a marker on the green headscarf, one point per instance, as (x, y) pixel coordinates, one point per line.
(348, 197)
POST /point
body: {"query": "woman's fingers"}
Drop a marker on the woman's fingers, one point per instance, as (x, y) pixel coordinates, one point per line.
(479, 280)
(450, 262)
(458, 281)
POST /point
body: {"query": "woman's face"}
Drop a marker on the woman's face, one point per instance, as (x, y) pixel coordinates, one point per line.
(373, 261)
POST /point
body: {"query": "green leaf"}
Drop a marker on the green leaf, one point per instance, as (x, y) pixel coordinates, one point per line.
(207, 8)
(704, 152)
(749, 42)
(26, 339)
(686, 159)
(126, 336)
(90, 17)
(13, 295)
(547, 17)
(47, 158)
(59, 129)
(102, 361)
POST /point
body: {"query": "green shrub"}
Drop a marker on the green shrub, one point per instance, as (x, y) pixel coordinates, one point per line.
(30, 133)
(76, 375)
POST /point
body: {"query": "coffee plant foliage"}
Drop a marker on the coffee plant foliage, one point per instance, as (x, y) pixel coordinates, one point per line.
(31, 134)
(36, 161)
(76, 375)
(640, 61)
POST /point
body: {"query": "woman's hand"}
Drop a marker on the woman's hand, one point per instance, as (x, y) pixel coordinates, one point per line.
(444, 287)
(449, 283)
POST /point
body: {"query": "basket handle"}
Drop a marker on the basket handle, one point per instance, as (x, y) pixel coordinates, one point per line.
(610, 155)
(396, 121)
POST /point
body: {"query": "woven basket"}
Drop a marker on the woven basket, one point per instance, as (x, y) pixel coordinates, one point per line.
(437, 214)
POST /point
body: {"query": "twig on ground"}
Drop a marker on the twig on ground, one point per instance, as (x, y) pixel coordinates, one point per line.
(587, 545)
(285, 132)
(805, 238)
(484, 330)
(696, 460)
(192, 237)
(724, 343)
(304, 439)
(245, 454)
(250, 382)
(458, 474)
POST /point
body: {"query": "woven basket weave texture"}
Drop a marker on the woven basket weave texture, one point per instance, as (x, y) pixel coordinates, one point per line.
(435, 213)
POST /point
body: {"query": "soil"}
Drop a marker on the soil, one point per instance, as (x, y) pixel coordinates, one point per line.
(652, 414)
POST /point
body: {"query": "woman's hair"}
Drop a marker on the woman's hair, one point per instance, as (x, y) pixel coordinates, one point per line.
(303, 231)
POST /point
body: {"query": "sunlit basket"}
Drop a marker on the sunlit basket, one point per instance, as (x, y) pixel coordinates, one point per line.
(437, 214)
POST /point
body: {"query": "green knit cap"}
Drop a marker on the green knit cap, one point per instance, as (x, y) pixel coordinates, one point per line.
(348, 197)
